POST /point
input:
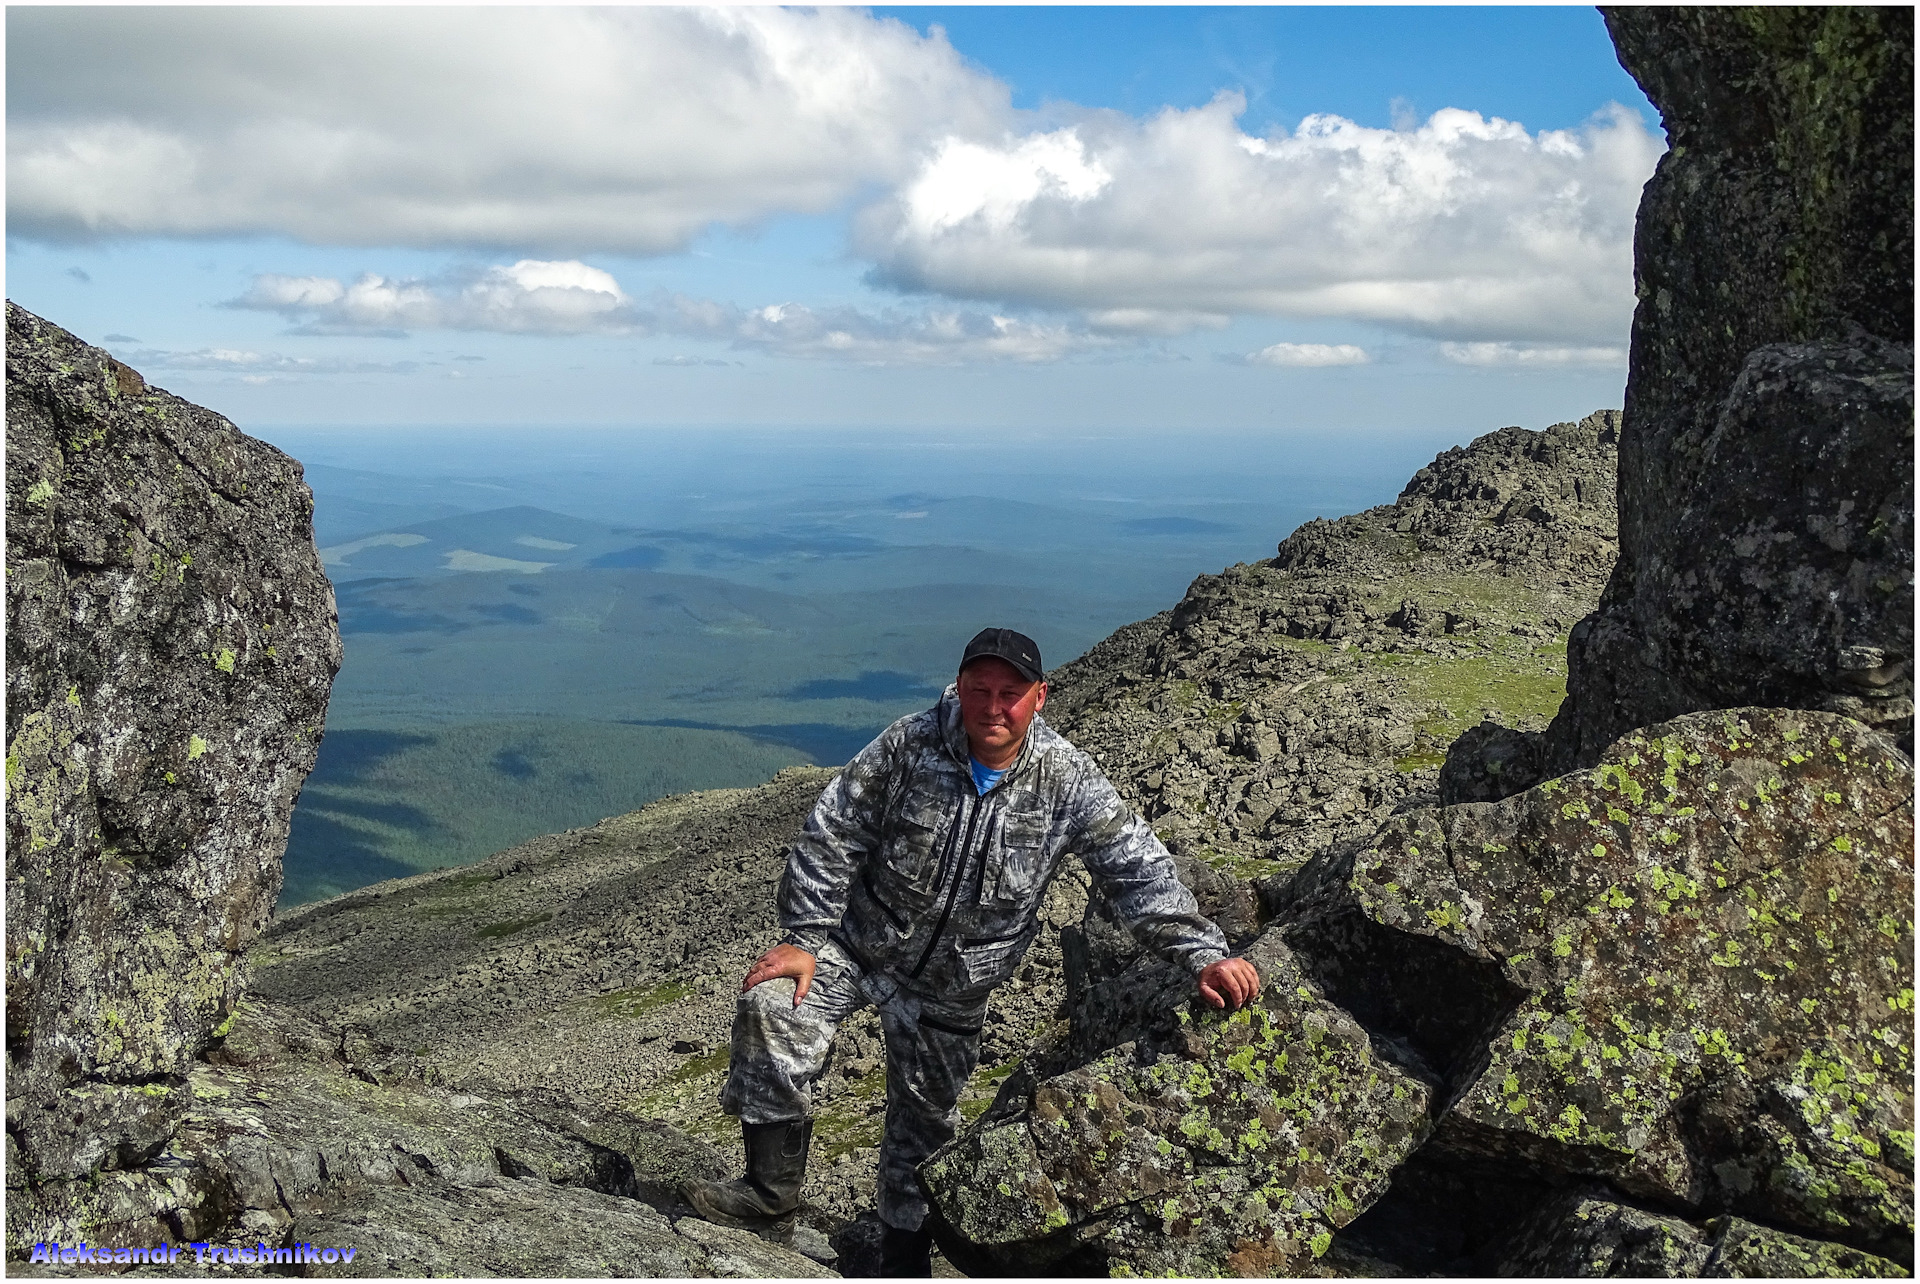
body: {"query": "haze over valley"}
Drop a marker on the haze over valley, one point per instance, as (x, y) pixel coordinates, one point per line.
(547, 627)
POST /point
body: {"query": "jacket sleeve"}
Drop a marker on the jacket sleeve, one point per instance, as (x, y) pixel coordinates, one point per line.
(839, 833)
(1136, 872)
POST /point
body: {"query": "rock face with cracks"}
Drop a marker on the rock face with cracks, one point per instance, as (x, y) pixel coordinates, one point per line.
(171, 640)
(1766, 478)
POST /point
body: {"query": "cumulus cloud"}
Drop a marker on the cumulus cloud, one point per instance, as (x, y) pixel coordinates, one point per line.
(1465, 228)
(620, 129)
(1520, 354)
(531, 296)
(558, 134)
(573, 298)
(1309, 354)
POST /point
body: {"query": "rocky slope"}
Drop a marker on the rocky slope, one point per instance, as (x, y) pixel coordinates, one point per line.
(601, 964)
(1283, 703)
(171, 640)
(1678, 984)
(1653, 1015)
(598, 967)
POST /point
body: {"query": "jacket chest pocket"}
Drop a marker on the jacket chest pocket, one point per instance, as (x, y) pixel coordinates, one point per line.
(912, 848)
(1020, 863)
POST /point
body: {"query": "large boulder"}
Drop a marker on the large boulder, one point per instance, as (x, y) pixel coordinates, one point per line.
(1766, 459)
(171, 639)
(1705, 950)
(1211, 1144)
(1675, 988)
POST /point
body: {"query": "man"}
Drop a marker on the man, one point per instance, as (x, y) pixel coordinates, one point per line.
(915, 886)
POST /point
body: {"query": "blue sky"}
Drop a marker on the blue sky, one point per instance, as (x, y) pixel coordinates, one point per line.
(1354, 219)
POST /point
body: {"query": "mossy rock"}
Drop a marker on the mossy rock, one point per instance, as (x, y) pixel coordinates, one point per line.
(1217, 1143)
(1712, 934)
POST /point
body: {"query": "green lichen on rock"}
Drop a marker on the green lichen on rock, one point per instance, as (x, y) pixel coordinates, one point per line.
(140, 862)
(1721, 970)
(1233, 1143)
(1585, 1233)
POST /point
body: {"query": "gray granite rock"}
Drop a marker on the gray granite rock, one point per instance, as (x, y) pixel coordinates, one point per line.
(171, 640)
(1766, 458)
(288, 1138)
(1584, 1234)
(1215, 1143)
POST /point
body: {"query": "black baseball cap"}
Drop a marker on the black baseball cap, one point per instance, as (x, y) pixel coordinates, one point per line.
(1017, 649)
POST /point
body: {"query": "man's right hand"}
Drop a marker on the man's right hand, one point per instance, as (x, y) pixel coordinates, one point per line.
(783, 960)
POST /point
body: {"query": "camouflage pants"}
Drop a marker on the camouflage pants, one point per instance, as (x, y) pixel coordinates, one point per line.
(932, 1047)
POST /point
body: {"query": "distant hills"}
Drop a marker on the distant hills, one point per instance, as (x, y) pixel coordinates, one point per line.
(536, 640)
(486, 698)
(905, 541)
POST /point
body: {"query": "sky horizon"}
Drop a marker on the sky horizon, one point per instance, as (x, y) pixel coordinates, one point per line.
(1035, 220)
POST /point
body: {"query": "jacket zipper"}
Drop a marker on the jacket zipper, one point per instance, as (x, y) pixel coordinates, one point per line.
(953, 892)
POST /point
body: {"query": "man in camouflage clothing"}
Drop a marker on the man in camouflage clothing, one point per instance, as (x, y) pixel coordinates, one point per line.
(915, 886)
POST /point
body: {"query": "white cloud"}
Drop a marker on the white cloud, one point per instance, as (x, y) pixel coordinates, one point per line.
(259, 367)
(1519, 354)
(1465, 228)
(571, 297)
(1310, 354)
(559, 134)
(563, 130)
(932, 337)
(967, 181)
(528, 296)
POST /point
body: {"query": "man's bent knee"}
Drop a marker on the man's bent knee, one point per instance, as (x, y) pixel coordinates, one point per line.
(775, 995)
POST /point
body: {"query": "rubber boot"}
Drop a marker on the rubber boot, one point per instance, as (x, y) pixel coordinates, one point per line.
(906, 1254)
(765, 1199)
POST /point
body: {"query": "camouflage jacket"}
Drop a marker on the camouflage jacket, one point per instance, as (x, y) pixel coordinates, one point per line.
(918, 876)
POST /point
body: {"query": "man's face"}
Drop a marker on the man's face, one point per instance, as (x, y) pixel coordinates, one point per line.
(997, 706)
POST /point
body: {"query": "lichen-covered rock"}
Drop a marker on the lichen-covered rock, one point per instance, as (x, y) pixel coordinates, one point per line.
(1214, 1144)
(1766, 476)
(299, 1133)
(171, 639)
(1743, 1250)
(1583, 1234)
(1712, 935)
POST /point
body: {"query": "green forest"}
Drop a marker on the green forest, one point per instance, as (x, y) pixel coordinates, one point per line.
(385, 804)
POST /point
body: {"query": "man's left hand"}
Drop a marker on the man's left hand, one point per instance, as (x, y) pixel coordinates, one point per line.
(1229, 983)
